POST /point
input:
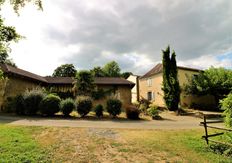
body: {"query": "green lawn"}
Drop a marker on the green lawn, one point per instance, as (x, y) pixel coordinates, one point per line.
(17, 144)
(53, 144)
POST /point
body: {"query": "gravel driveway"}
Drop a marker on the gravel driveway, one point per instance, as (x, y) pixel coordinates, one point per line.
(169, 122)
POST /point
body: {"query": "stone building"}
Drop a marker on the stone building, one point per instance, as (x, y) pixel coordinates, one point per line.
(151, 86)
(18, 81)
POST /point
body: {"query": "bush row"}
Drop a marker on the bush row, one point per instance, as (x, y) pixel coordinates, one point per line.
(37, 102)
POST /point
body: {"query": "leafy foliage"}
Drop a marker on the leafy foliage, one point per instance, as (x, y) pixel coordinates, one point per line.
(226, 105)
(113, 107)
(17, 4)
(50, 105)
(7, 35)
(99, 110)
(32, 100)
(67, 106)
(153, 111)
(171, 86)
(84, 83)
(213, 81)
(98, 72)
(66, 70)
(132, 112)
(84, 105)
(1, 75)
(112, 69)
(125, 75)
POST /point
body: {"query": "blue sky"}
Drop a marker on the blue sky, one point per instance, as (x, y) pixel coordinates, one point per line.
(132, 32)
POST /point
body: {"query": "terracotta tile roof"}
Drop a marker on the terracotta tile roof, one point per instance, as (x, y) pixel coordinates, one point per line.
(155, 70)
(59, 80)
(159, 68)
(22, 73)
(112, 80)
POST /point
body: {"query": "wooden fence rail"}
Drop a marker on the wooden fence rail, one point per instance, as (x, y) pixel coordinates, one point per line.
(207, 135)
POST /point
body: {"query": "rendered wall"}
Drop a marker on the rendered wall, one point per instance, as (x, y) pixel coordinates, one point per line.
(156, 87)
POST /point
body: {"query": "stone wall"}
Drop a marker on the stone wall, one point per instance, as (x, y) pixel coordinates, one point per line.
(2, 91)
(16, 86)
(123, 93)
(13, 87)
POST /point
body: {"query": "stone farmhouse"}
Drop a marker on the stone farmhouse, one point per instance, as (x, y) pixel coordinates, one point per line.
(19, 80)
(150, 87)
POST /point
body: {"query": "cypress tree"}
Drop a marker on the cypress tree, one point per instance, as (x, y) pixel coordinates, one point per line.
(171, 86)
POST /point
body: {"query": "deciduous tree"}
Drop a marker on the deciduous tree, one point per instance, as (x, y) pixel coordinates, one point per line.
(65, 70)
(213, 81)
(112, 69)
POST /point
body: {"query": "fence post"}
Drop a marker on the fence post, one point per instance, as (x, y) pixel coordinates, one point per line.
(206, 132)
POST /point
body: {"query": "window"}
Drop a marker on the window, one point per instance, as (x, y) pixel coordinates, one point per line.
(149, 96)
(149, 82)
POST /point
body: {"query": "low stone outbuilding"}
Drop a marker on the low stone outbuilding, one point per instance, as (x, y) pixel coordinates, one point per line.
(18, 81)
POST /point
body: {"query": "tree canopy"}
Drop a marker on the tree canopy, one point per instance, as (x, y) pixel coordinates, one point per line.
(65, 70)
(125, 75)
(98, 72)
(171, 86)
(112, 69)
(8, 33)
(17, 4)
(213, 81)
(84, 83)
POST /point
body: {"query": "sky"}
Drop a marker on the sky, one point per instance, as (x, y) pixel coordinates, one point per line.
(131, 32)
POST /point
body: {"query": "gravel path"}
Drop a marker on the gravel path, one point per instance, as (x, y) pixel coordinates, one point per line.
(169, 122)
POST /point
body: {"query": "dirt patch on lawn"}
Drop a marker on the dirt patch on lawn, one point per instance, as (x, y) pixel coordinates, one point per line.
(97, 145)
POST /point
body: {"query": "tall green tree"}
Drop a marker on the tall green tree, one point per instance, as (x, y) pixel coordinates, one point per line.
(112, 69)
(65, 70)
(171, 86)
(98, 72)
(8, 33)
(84, 83)
(213, 81)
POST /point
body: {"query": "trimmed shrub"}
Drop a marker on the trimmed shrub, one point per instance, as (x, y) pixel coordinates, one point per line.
(84, 105)
(67, 106)
(99, 110)
(50, 105)
(226, 105)
(19, 105)
(144, 104)
(9, 106)
(15, 105)
(153, 111)
(132, 112)
(113, 107)
(32, 100)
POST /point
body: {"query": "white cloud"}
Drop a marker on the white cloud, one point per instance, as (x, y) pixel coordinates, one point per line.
(133, 32)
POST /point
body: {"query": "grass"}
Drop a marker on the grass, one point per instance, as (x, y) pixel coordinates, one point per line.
(17, 145)
(52, 144)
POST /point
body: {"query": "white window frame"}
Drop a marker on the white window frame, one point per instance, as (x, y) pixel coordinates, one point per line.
(149, 82)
